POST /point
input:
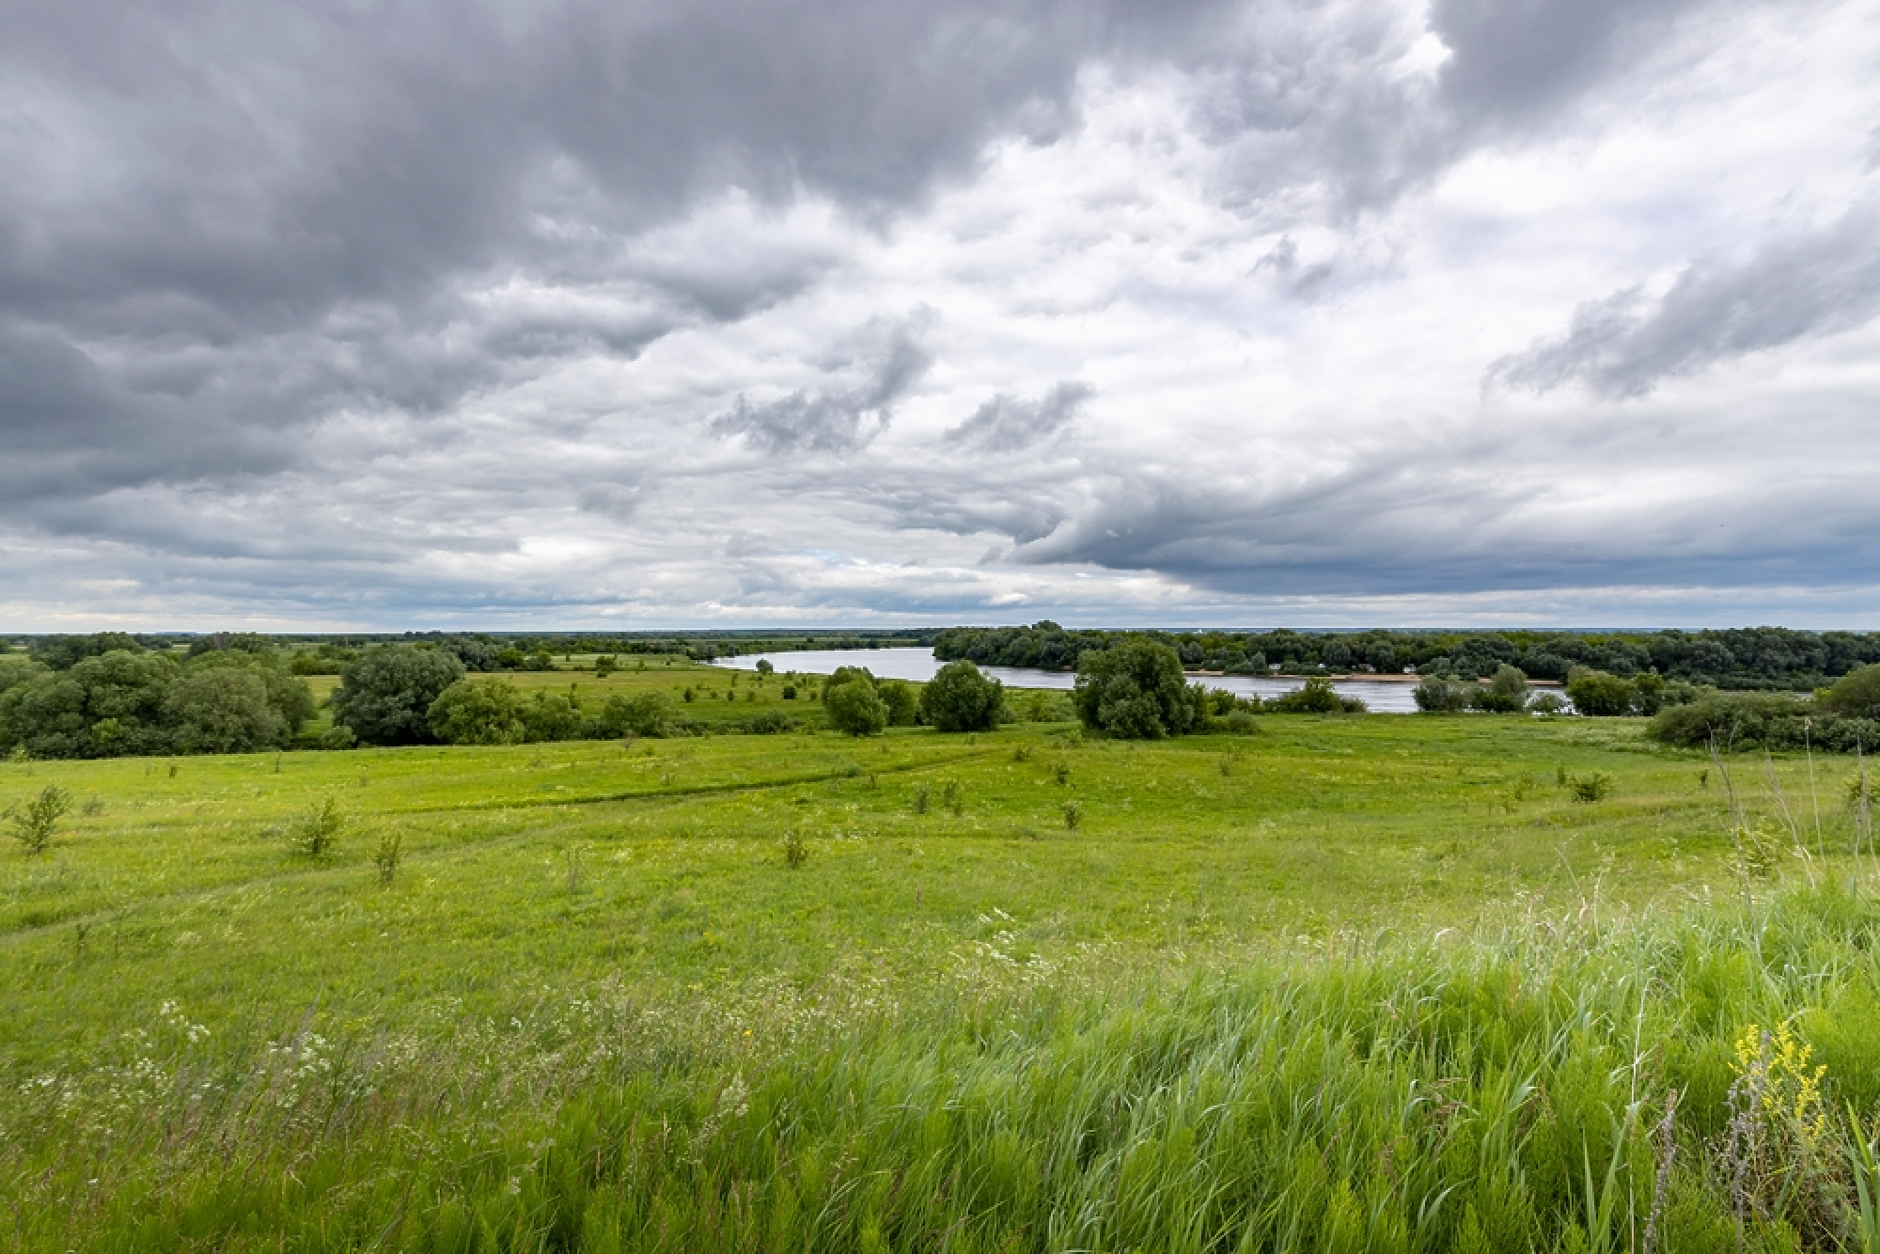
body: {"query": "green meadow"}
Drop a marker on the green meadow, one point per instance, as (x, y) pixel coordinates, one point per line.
(1344, 983)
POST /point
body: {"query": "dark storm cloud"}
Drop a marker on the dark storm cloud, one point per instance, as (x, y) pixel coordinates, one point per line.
(1624, 345)
(839, 417)
(1006, 424)
(252, 188)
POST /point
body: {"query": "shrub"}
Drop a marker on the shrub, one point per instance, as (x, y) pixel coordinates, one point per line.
(769, 723)
(480, 711)
(1135, 690)
(853, 705)
(795, 851)
(33, 827)
(953, 797)
(900, 701)
(315, 833)
(962, 698)
(1546, 703)
(1506, 693)
(1600, 695)
(385, 697)
(1855, 694)
(642, 713)
(551, 716)
(1073, 815)
(1439, 694)
(388, 856)
(1590, 788)
(1240, 723)
(1316, 697)
(1740, 720)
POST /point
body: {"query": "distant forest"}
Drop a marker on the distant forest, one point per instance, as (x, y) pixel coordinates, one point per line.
(325, 653)
(1740, 658)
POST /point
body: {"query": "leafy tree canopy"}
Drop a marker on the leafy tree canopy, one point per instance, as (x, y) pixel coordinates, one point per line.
(962, 698)
(852, 705)
(385, 696)
(1135, 691)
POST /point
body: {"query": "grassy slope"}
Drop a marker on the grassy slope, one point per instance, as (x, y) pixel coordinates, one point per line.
(650, 878)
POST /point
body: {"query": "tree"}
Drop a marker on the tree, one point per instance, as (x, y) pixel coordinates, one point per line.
(103, 705)
(477, 712)
(1439, 694)
(764, 667)
(64, 652)
(1135, 690)
(901, 701)
(552, 716)
(1599, 694)
(1856, 694)
(33, 826)
(962, 698)
(223, 709)
(853, 706)
(1507, 691)
(385, 697)
(287, 695)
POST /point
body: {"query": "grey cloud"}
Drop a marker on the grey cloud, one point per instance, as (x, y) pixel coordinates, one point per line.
(1452, 519)
(1625, 344)
(1512, 60)
(1006, 424)
(281, 212)
(841, 417)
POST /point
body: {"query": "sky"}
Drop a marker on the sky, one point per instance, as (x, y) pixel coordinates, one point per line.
(628, 315)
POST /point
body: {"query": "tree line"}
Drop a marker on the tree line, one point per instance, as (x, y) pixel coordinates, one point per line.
(128, 701)
(1734, 658)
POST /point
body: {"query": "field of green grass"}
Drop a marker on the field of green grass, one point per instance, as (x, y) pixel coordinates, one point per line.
(1345, 983)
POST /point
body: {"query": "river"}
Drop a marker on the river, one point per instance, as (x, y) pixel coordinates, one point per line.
(1380, 696)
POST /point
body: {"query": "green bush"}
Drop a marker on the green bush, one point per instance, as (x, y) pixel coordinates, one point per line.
(1855, 694)
(552, 716)
(900, 700)
(478, 711)
(34, 825)
(769, 723)
(316, 833)
(962, 698)
(1740, 720)
(1600, 695)
(1316, 697)
(1440, 694)
(1506, 693)
(853, 706)
(641, 714)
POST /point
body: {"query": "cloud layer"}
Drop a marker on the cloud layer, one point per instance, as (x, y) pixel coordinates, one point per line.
(1338, 311)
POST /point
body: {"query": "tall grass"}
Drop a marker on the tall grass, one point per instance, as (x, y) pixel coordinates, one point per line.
(1553, 1083)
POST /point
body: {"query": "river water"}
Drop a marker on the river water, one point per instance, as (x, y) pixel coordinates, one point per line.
(1380, 696)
